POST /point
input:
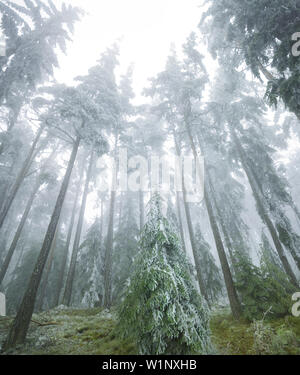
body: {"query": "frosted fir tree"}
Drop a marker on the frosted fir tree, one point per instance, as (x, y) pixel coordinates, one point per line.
(262, 35)
(162, 309)
(34, 30)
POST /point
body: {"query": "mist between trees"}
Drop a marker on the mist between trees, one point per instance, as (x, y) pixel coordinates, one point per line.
(154, 174)
(166, 212)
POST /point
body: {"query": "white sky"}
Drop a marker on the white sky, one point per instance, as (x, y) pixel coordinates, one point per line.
(146, 28)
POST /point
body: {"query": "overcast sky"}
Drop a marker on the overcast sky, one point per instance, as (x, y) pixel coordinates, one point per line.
(146, 28)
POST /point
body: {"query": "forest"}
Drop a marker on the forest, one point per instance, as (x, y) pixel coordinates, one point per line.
(161, 221)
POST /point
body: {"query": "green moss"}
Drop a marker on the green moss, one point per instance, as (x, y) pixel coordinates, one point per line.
(236, 337)
(82, 312)
(230, 336)
(81, 332)
(93, 331)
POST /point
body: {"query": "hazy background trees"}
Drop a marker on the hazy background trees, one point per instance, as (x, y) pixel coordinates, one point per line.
(63, 241)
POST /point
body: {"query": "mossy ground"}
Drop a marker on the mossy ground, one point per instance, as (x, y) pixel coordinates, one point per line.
(72, 332)
(232, 337)
(92, 332)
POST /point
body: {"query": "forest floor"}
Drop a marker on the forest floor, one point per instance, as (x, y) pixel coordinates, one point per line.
(69, 331)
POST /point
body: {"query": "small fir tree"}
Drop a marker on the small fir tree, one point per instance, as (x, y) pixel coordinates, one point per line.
(162, 309)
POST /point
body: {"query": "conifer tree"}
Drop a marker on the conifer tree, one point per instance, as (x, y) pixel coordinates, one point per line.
(260, 34)
(162, 309)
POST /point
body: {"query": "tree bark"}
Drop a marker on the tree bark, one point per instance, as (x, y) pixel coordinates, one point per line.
(66, 249)
(44, 282)
(12, 120)
(20, 325)
(71, 273)
(231, 290)
(101, 222)
(107, 301)
(5, 234)
(108, 253)
(120, 211)
(6, 187)
(194, 248)
(16, 186)
(230, 287)
(17, 235)
(191, 231)
(16, 238)
(227, 238)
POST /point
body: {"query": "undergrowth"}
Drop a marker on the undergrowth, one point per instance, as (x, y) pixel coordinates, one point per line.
(93, 332)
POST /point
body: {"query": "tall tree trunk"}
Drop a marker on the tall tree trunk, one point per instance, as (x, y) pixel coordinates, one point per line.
(230, 287)
(227, 238)
(6, 186)
(120, 210)
(231, 290)
(5, 236)
(66, 249)
(16, 186)
(101, 222)
(20, 325)
(191, 232)
(142, 209)
(263, 212)
(16, 238)
(20, 254)
(257, 181)
(17, 235)
(108, 253)
(228, 241)
(194, 247)
(107, 301)
(12, 120)
(71, 273)
(45, 279)
(180, 221)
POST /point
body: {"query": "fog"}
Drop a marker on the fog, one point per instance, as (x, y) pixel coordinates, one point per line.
(149, 177)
